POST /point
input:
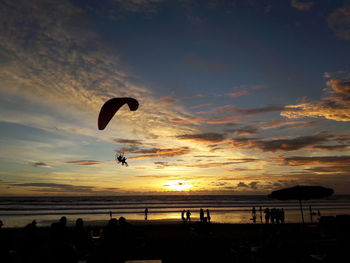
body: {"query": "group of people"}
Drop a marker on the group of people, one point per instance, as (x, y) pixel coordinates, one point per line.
(273, 216)
(69, 244)
(186, 216)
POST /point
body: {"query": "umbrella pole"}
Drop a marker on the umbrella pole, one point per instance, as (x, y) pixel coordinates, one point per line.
(301, 210)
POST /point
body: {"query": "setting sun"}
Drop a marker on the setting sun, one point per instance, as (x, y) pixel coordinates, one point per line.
(177, 185)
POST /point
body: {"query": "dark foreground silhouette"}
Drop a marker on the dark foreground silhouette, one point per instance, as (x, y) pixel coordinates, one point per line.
(118, 241)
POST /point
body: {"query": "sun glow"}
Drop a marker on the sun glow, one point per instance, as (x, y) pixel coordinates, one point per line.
(177, 185)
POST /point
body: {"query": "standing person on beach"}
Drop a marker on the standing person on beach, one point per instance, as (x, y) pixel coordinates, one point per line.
(146, 213)
(260, 210)
(183, 216)
(201, 215)
(188, 216)
(311, 213)
(208, 216)
(267, 215)
(110, 214)
(254, 214)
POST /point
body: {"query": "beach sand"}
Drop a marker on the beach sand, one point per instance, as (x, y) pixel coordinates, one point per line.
(173, 241)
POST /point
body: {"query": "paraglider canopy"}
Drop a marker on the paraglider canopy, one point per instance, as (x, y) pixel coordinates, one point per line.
(110, 108)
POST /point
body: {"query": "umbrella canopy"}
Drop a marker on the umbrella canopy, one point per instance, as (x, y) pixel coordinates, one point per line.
(301, 192)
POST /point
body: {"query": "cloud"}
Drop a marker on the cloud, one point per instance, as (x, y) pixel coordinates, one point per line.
(40, 164)
(129, 142)
(339, 22)
(236, 94)
(203, 105)
(241, 184)
(315, 160)
(335, 105)
(281, 145)
(203, 64)
(244, 131)
(137, 6)
(87, 162)
(342, 147)
(301, 5)
(64, 188)
(155, 152)
(206, 165)
(59, 73)
(203, 137)
(240, 114)
(243, 90)
(241, 170)
(285, 124)
(169, 100)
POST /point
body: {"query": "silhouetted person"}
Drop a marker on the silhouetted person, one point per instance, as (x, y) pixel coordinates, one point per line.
(81, 239)
(183, 216)
(62, 249)
(311, 213)
(201, 215)
(146, 213)
(124, 162)
(278, 216)
(110, 214)
(267, 215)
(273, 215)
(122, 159)
(188, 216)
(261, 217)
(208, 216)
(5, 245)
(254, 214)
(31, 243)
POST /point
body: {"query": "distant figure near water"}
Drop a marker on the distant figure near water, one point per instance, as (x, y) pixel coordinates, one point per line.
(253, 215)
(188, 216)
(183, 216)
(260, 211)
(208, 216)
(201, 215)
(146, 213)
(267, 215)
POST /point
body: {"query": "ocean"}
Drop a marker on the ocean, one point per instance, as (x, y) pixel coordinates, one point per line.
(19, 211)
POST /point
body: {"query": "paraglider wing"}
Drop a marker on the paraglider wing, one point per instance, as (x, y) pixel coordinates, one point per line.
(110, 108)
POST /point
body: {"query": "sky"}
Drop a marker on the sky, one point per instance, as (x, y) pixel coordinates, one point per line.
(236, 97)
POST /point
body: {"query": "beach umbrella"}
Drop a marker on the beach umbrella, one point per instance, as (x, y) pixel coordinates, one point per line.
(300, 193)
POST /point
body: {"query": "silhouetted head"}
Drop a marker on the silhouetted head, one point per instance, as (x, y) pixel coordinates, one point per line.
(113, 222)
(79, 223)
(122, 220)
(63, 221)
(34, 223)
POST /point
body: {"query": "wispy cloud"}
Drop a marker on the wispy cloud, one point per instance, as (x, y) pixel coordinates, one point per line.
(155, 152)
(64, 188)
(87, 162)
(203, 137)
(339, 22)
(335, 105)
(315, 160)
(244, 131)
(201, 63)
(64, 71)
(301, 4)
(229, 109)
(243, 90)
(129, 142)
(281, 145)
